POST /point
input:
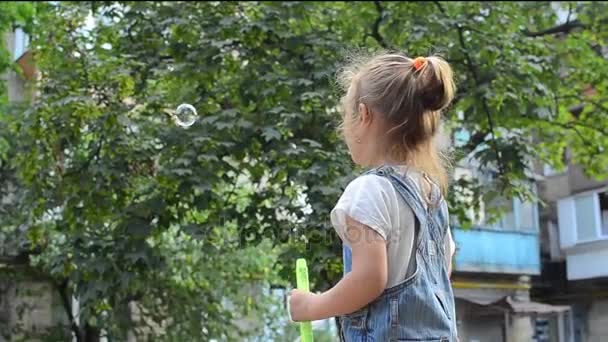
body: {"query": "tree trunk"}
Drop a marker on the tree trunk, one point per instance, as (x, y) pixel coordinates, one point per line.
(62, 288)
(91, 334)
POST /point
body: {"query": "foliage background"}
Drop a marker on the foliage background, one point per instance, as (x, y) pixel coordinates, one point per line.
(115, 205)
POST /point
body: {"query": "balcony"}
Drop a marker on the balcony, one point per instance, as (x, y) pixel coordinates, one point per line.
(583, 233)
(510, 246)
(496, 251)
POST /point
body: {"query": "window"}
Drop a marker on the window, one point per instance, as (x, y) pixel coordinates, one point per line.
(517, 216)
(21, 43)
(583, 218)
(585, 215)
(508, 220)
(527, 215)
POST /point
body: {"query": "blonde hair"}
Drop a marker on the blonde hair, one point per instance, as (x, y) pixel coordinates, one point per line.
(410, 95)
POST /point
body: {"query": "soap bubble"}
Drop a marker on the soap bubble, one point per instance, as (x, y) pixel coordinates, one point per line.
(185, 115)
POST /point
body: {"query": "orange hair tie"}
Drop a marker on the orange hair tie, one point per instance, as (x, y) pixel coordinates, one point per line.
(419, 62)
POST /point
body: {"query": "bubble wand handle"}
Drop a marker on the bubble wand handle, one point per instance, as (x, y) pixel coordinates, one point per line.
(302, 282)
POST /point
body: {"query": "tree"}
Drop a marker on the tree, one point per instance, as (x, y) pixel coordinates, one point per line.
(12, 239)
(11, 13)
(130, 213)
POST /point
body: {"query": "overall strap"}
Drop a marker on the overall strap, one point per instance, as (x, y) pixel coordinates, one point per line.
(410, 194)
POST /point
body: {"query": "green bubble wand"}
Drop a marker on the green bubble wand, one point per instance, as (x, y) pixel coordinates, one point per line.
(302, 282)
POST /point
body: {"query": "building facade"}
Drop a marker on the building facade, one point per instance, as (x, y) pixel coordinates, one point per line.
(28, 304)
(575, 250)
(495, 266)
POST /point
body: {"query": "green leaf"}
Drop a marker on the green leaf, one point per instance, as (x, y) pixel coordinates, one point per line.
(270, 133)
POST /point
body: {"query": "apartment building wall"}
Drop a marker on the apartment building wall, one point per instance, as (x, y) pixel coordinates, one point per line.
(479, 325)
(579, 182)
(29, 305)
(16, 84)
(598, 321)
(582, 286)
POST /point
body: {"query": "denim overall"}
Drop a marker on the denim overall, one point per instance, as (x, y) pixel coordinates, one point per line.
(422, 307)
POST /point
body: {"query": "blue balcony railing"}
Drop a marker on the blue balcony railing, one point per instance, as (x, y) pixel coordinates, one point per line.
(496, 251)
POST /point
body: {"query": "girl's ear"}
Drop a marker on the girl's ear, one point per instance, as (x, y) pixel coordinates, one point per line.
(365, 115)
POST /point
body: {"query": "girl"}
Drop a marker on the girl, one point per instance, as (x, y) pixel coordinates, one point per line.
(393, 220)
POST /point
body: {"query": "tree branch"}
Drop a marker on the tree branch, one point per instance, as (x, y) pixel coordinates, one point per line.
(567, 126)
(12, 261)
(563, 28)
(583, 100)
(376, 27)
(572, 125)
(596, 48)
(87, 162)
(475, 140)
(65, 301)
(471, 66)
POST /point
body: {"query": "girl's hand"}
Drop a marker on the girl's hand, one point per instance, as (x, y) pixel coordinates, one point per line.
(361, 286)
(301, 305)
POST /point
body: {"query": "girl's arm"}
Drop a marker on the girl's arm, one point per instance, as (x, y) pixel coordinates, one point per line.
(363, 284)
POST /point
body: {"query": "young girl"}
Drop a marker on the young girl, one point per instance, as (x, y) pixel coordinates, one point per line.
(393, 220)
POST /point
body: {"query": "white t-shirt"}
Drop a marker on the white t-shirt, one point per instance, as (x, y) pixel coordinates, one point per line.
(372, 200)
